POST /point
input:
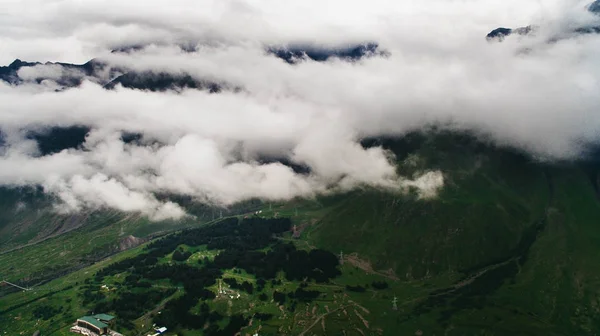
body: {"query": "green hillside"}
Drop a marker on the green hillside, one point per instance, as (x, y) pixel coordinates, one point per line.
(508, 247)
(37, 244)
(527, 232)
(490, 201)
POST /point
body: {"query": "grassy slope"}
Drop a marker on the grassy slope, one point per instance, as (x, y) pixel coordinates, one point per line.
(25, 217)
(27, 260)
(530, 228)
(479, 217)
(16, 309)
(69, 251)
(526, 234)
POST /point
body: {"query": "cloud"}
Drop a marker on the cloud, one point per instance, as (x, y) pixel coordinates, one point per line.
(80, 193)
(48, 71)
(439, 69)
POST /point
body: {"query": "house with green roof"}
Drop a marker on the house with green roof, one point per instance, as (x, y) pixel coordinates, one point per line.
(104, 318)
(93, 324)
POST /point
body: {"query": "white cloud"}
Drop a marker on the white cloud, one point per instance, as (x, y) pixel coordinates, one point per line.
(49, 71)
(440, 70)
(99, 191)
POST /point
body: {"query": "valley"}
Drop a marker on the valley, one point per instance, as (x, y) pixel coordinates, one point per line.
(507, 247)
(257, 168)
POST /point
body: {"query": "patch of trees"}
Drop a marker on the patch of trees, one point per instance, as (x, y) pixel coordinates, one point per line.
(245, 286)
(319, 265)
(180, 255)
(236, 322)
(130, 306)
(358, 289)
(260, 284)
(144, 284)
(230, 233)
(177, 313)
(473, 296)
(91, 294)
(45, 312)
(238, 242)
(279, 297)
(263, 316)
(193, 279)
(304, 295)
(380, 285)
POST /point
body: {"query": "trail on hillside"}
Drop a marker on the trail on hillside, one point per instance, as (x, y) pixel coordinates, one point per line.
(366, 266)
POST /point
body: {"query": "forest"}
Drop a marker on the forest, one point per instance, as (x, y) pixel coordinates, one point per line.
(249, 244)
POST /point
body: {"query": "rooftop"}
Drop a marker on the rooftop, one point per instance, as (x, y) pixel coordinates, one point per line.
(91, 320)
(104, 317)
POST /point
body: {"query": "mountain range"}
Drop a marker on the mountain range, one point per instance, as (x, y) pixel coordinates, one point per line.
(508, 246)
(499, 34)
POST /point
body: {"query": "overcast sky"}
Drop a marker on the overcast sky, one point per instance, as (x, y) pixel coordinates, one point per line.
(538, 96)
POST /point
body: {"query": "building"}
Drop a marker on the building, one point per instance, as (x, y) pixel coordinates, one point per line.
(159, 331)
(105, 318)
(92, 324)
(96, 325)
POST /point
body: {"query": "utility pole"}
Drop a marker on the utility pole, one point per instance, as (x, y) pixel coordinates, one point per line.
(395, 303)
(341, 257)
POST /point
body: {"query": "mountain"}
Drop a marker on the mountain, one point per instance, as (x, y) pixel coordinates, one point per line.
(161, 82)
(514, 236)
(507, 247)
(499, 34)
(294, 53)
(66, 75)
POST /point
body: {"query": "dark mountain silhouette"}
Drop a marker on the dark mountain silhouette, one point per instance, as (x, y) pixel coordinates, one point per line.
(161, 81)
(72, 75)
(9, 73)
(293, 54)
(499, 34)
(55, 139)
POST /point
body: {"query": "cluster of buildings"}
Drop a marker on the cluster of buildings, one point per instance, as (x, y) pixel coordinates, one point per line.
(228, 292)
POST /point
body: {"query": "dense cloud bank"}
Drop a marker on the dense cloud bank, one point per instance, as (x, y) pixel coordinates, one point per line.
(243, 90)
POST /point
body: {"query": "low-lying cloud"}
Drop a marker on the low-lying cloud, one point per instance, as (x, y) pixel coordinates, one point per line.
(437, 68)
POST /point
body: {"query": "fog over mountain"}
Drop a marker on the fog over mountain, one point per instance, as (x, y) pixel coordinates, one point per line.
(395, 67)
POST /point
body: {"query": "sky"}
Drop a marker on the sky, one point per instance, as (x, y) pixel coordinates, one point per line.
(439, 69)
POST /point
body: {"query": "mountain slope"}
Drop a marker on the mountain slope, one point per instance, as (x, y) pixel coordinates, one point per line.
(508, 247)
(515, 239)
(594, 8)
(490, 199)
